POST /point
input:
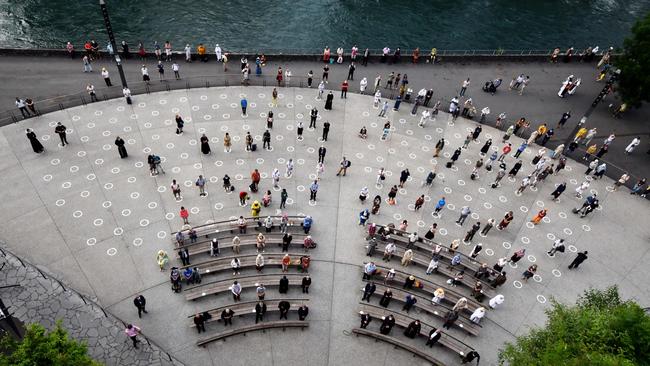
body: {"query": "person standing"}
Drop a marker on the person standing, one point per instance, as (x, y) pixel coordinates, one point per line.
(266, 140)
(184, 214)
(464, 87)
(106, 77)
(119, 142)
(20, 103)
(176, 69)
(86, 63)
(326, 130)
(344, 89)
(328, 101)
(131, 330)
(507, 219)
(581, 257)
(200, 182)
(322, 150)
(439, 146)
(179, 124)
(470, 235)
(351, 69)
(244, 105)
(313, 189)
(313, 114)
(33, 140)
(90, 88)
(464, 212)
(140, 302)
(60, 129)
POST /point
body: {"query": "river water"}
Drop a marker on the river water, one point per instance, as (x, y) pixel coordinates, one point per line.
(312, 24)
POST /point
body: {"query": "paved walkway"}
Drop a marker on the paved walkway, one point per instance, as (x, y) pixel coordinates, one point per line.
(45, 77)
(43, 300)
(97, 221)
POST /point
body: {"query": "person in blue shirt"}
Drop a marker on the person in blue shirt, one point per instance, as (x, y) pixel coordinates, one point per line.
(306, 224)
(244, 104)
(439, 206)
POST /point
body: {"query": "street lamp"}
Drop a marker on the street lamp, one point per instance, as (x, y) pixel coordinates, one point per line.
(111, 38)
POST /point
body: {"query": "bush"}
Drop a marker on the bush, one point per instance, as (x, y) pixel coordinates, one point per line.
(40, 347)
(600, 329)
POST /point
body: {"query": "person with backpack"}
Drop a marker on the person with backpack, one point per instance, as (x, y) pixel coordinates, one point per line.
(345, 164)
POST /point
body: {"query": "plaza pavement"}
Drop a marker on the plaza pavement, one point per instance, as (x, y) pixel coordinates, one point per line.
(97, 221)
(47, 77)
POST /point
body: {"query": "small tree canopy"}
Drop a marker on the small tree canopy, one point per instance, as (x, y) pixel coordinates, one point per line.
(600, 330)
(634, 81)
(40, 347)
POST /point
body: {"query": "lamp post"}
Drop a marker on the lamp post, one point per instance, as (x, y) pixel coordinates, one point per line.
(111, 38)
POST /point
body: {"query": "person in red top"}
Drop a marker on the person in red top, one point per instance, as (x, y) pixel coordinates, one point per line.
(255, 177)
(505, 151)
(243, 196)
(185, 215)
(344, 89)
(279, 76)
(89, 49)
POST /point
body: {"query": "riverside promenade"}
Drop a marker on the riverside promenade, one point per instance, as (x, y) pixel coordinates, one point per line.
(97, 221)
(43, 77)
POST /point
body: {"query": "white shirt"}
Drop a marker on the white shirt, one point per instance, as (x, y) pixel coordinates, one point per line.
(20, 103)
(144, 71)
(126, 92)
(175, 67)
(217, 50)
(90, 88)
(105, 74)
(465, 84)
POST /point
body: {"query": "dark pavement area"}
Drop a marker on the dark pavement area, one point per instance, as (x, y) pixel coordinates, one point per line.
(43, 77)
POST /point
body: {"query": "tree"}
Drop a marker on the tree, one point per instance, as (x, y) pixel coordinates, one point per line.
(600, 329)
(634, 81)
(39, 347)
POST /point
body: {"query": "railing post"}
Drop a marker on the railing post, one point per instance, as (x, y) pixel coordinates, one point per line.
(83, 101)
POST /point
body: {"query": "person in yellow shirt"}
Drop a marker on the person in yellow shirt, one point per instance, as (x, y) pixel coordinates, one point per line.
(590, 151)
(582, 132)
(434, 55)
(201, 51)
(255, 209)
(542, 129)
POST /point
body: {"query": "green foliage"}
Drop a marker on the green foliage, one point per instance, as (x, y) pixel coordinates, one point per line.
(600, 330)
(39, 347)
(634, 82)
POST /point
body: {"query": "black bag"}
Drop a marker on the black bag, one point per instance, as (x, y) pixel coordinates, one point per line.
(348, 164)
(449, 164)
(254, 147)
(506, 137)
(128, 100)
(232, 188)
(382, 177)
(536, 159)
(472, 176)
(494, 185)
